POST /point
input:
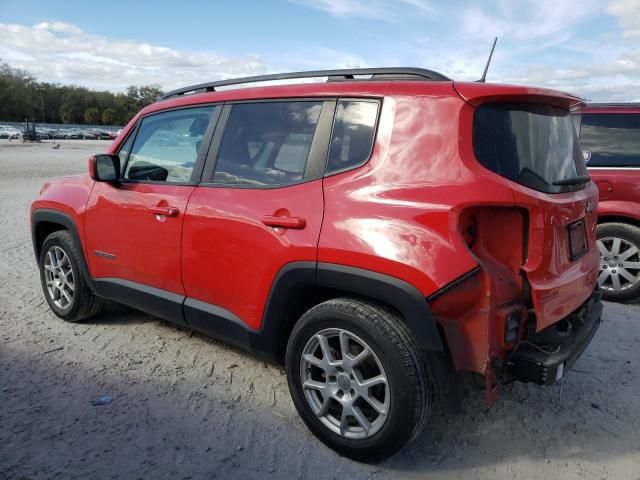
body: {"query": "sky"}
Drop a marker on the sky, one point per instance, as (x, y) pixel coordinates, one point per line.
(587, 47)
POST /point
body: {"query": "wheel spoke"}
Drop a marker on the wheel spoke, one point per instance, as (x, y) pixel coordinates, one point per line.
(375, 404)
(604, 274)
(324, 408)
(364, 354)
(615, 246)
(370, 382)
(65, 294)
(631, 251)
(64, 261)
(326, 350)
(344, 421)
(315, 385)
(313, 360)
(49, 268)
(615, 281)
(627, 275)
(344, 345)
(361, 419)
(603, 249)
(52, 259)
(631, 265)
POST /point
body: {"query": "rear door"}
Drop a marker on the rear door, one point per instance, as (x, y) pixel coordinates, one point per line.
(133, 228)
(258, 209)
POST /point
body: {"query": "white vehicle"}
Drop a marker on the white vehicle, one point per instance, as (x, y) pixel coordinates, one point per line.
(9, 132)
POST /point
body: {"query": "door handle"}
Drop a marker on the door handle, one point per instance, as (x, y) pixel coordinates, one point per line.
(164, 211)
(295, 223)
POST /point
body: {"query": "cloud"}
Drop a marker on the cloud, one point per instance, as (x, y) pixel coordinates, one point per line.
(58, 27)
(386, 10)
(531, 20)
(628, 14)
(61, 52)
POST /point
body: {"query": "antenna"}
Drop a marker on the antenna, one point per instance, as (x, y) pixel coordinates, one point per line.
(486, 67)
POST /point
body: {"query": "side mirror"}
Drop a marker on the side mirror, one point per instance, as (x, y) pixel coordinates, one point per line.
(104, 168)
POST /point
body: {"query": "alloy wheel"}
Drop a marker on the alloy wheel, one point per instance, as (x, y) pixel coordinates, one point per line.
(59, 278)
(619, 264)
(345, 383)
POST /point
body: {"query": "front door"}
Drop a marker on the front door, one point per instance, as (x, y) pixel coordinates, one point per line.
(260, 209)
(133, 228)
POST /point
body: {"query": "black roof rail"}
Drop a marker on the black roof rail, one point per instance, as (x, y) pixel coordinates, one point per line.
(390, 73)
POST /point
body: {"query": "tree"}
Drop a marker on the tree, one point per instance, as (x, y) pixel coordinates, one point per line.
(91, 115)
(22, 96)
(108, 116)
(66, 112)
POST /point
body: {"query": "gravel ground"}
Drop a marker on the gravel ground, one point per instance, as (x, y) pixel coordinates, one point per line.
(185, 406)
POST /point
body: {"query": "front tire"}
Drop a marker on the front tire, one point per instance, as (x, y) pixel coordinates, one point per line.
(619, 277)
(357, 379)
(63, 283)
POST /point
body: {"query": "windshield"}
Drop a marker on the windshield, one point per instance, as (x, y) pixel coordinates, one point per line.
(533, 145)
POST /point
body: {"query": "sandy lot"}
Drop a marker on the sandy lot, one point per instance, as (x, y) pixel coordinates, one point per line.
(187, 407)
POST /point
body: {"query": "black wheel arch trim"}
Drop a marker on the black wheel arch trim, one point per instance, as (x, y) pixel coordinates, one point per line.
(397, 293)
(54, 216)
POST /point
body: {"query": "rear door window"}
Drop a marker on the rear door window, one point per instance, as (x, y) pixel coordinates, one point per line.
(353, 132)
(534, 145)
(611, 139)
(267, 144)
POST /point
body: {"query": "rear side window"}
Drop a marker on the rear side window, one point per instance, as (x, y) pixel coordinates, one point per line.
(611, 140)
(353, 132)
(267, 144)
(534, 145)
(166, 146)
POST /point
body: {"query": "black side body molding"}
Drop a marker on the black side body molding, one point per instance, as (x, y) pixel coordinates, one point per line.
(151, 300)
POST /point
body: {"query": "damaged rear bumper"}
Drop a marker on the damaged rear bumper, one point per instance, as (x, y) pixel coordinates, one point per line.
(545, 363)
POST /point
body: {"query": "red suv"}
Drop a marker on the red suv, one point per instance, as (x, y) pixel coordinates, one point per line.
(381, 234)
(610, 137)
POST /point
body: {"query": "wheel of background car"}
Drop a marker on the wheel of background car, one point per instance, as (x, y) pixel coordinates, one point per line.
(356, 378)
(64, 286)
(619, 276)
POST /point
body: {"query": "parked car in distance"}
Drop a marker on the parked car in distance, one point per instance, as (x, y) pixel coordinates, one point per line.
(610, 138)
(382, 235)
(101, 134)
(44, 133)
(9, 132)
(88, 135)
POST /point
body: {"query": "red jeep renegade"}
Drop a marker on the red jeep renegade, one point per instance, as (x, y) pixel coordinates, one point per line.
(380, 234)
(610, 137)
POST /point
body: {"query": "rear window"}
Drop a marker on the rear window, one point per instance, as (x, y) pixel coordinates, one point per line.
(610, 139)
(352, 137)
(534, 145)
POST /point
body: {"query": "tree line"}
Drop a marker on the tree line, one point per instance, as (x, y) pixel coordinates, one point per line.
(23, 97)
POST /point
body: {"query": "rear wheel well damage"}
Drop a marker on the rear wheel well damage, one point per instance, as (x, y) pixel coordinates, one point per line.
(299, 287)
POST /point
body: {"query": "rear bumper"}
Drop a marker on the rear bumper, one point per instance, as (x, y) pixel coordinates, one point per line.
(544, 364)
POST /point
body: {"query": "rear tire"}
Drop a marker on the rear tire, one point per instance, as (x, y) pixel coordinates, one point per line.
(366, 423)
(63, 283)
(619, 277)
